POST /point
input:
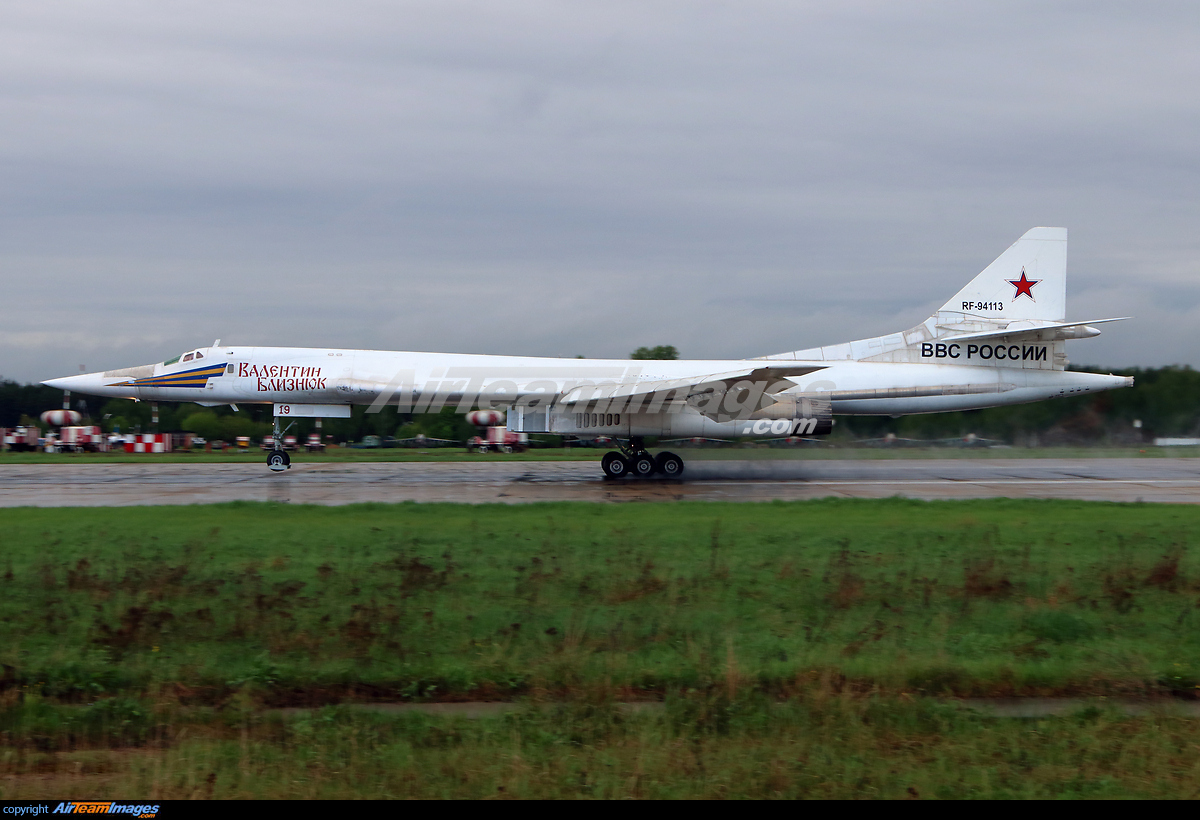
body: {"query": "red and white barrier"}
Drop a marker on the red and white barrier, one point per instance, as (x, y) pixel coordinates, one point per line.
(149, 443)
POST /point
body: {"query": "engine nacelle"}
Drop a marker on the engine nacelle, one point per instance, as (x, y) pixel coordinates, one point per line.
(789, 417)
(803, 416)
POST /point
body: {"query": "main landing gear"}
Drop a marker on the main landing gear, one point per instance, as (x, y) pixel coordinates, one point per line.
(278, 460)
(633, 460)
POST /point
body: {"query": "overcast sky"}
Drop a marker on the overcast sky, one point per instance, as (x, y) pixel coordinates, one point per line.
(561, 178)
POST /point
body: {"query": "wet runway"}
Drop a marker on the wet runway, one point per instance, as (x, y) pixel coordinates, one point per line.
(1102, 479)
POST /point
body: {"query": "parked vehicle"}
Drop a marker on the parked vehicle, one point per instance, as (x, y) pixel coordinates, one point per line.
(86, 439)
(499, 440)
(494, 436)
(20, 439)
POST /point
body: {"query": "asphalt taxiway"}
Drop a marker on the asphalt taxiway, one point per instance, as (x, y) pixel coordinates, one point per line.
(1098, 479)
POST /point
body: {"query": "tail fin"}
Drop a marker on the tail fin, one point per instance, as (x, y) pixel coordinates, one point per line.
(1027, 281)
(1023, 290)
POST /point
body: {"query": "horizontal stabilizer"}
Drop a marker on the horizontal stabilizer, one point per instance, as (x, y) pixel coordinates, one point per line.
(1048, 332)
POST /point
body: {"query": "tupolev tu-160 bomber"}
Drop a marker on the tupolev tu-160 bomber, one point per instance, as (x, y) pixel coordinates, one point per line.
(1000, 340)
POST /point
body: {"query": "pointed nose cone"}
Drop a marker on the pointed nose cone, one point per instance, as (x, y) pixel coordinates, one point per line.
(90, 383)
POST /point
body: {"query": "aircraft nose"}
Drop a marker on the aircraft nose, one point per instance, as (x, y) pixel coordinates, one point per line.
(83, 383)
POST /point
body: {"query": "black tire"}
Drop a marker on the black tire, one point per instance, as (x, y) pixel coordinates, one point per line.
(278, 460)
(614, 465)
(643, 465)
(670, 465)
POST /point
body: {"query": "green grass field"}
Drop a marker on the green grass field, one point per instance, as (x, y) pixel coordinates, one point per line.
(801, 648)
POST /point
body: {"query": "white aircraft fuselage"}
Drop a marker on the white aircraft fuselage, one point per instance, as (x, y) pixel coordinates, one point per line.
(431, 381)
(1000, 340)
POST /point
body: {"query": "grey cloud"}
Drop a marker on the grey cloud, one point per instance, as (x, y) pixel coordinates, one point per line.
(561, 178)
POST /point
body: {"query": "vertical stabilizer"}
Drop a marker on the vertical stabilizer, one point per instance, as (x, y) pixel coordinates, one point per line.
(1024, 289)
(1027, 281)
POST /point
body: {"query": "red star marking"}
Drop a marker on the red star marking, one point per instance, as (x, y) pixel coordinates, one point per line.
(1024, 285)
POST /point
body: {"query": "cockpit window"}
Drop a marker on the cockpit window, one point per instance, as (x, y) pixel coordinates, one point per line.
(189, 357)
(199, 355)
(171, 361)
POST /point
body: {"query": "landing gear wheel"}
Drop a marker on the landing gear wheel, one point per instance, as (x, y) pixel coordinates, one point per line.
(670, 465)
(614, 465)
(482, 449)
(642, 465)
(279, 461)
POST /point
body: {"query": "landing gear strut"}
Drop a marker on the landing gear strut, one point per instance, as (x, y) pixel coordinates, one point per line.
(278, 460)
(634, 460)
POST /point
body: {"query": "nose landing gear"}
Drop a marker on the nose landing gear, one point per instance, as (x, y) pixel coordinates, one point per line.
(278, 460)
(634, 460)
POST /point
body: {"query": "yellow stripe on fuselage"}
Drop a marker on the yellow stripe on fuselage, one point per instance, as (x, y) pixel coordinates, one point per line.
(197, 377)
